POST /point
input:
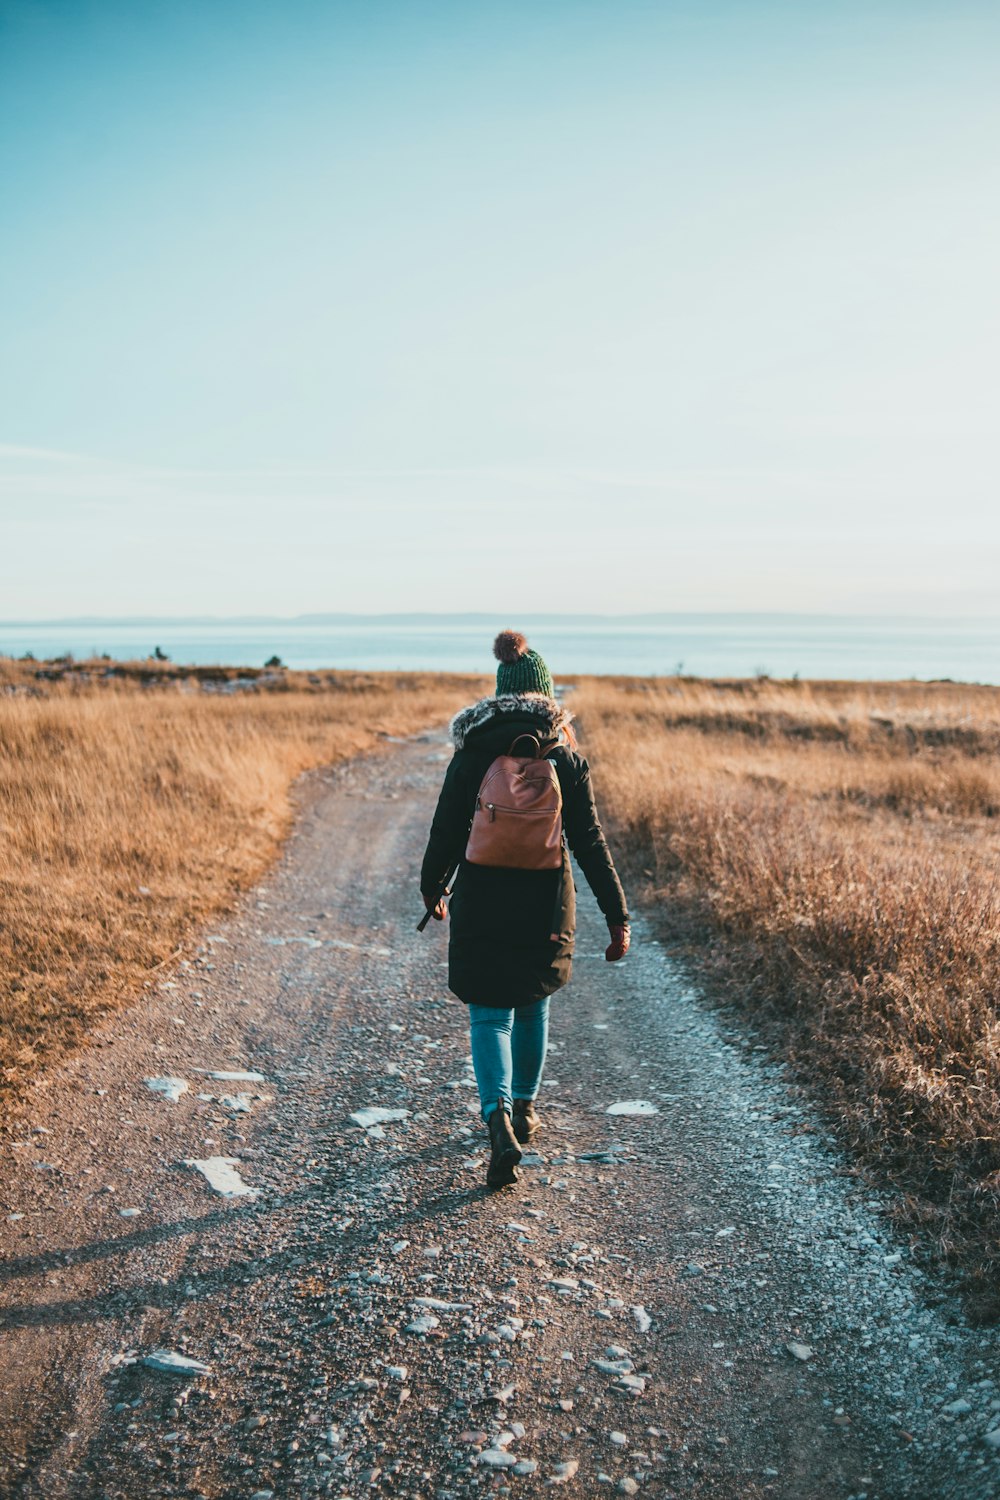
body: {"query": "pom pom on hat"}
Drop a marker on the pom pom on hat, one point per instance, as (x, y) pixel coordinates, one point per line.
(509, 646)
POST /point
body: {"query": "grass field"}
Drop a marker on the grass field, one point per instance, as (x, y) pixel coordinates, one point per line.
(828, 853)
(137, 800)
(832, 852)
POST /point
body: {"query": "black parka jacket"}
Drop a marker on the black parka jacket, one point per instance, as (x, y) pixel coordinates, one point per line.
(511, 939)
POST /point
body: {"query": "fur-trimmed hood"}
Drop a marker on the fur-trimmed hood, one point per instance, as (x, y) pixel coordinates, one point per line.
(549, 714)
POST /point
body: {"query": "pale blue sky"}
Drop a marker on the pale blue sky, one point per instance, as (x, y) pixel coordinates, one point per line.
(599, 306)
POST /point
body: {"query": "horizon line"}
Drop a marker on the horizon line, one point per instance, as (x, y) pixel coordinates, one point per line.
(315, 617)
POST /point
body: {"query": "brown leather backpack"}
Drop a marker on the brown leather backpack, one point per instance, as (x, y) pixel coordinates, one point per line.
(517, 823)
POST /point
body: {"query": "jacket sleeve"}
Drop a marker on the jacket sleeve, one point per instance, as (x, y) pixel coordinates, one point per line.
(585, 837)
(449, 831)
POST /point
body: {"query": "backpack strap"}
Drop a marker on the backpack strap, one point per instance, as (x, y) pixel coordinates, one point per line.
(534, 740)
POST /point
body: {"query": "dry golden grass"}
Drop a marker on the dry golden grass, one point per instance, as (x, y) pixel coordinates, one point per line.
(129, 813)
(846, 838)
(843, 838)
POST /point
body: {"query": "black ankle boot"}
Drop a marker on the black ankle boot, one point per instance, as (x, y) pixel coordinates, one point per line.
(525, 1121)
(505, 1152)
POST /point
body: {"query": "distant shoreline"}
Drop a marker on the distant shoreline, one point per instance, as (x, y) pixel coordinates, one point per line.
(662, 617)
(815, 647)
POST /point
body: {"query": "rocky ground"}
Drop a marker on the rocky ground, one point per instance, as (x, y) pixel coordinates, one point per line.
(695, 1299)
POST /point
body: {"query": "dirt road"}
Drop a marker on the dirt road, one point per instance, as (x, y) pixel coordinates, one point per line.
(696, 1301)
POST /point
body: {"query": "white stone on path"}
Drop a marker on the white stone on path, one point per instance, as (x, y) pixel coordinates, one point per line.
(642, 1319)
(563, 1473)
(171, 1363)
(373, 1114)
(170, 1087)
(237, 1075)
(439, 1306)
(423, 1324)
(799, 1351)
(241, 1103)
(220, 1173)
(497, 1458)
(632, 1107)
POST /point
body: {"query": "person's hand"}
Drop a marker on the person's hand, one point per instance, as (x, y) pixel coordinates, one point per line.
(621, 937)
(437, 908)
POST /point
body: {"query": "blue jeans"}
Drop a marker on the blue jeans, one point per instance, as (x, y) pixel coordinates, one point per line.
(508, 1051)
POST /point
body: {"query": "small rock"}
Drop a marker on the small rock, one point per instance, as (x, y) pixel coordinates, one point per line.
(634, 1384)
(170, 1087)
(957, 1408)
(169, 1362)
(497, 1458)
(220, 1173)
(799, 1351)
(423, 1324)
(439, 1306)
(524, 1466)
(563, 1473)
(627, 1486)
(642, 1319)
(240, 1104)
(374, 1115)
(239, 1076)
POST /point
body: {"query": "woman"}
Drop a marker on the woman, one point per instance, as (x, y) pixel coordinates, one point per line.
(512, 929)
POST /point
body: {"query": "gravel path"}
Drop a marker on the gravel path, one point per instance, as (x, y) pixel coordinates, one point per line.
(697, 1301)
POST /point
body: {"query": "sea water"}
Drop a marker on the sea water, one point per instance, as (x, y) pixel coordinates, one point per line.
(704, 645)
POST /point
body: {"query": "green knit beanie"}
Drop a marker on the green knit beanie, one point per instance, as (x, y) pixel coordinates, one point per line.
(521, 670)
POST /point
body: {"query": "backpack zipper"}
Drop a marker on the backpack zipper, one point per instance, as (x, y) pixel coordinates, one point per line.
(525, 812)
